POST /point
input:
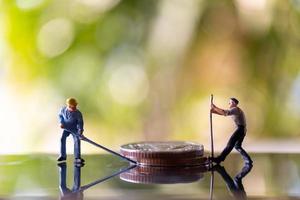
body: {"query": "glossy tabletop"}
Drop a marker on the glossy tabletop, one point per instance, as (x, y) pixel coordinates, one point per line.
(273, 176)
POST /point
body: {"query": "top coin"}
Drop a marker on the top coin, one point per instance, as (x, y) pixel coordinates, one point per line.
(165, 153)
(162, 147)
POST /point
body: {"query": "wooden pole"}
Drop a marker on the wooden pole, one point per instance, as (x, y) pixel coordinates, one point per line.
(211, 188)
(211, 129)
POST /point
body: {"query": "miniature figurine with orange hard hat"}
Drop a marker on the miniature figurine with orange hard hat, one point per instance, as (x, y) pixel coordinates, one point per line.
(71, 122)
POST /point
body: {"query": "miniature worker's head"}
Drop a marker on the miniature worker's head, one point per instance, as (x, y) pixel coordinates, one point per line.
(233, 102)
(71, 103)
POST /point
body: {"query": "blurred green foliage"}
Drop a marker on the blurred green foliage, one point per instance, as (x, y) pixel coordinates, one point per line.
(146, 68)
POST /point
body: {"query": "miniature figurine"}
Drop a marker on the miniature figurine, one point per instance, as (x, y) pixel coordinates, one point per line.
(238, 135)
(72, 123)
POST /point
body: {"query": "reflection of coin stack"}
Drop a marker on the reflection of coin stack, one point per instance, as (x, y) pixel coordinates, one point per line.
(163, 175)
(165, 154)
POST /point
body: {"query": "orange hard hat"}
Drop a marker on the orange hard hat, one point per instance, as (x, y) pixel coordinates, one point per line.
(71, 101)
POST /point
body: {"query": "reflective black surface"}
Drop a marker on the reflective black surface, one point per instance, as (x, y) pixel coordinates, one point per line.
(273, 176)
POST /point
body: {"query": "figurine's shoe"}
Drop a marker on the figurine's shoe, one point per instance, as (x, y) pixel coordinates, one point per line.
(61, 159)
(215, 160)
(79, 160)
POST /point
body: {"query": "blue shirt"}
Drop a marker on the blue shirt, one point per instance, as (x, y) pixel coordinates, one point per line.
(71, 120)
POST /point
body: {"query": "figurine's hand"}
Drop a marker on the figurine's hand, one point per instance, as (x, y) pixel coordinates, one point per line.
(61, 126)
(212, 106)
(81, 136)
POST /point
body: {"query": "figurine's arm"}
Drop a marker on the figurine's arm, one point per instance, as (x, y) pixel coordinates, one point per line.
(61, 118)
(80, 123)
(218, 111)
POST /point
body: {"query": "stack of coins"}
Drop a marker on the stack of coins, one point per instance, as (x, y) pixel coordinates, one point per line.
(165, 154)
(163, 175)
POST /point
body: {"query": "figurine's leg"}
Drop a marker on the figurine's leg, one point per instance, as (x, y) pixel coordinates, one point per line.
(245, 155)
(64, 136)
(77, 150)
(230, 144)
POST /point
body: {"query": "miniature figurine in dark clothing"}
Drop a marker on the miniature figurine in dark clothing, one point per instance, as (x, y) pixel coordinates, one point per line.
(237, 137)
(71, 122)
(235, 185)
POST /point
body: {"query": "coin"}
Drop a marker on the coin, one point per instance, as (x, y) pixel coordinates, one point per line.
(165, 153)
(163, 175)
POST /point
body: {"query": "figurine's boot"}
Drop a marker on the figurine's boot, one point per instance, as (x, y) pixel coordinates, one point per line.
(216, 160)
(61, 159)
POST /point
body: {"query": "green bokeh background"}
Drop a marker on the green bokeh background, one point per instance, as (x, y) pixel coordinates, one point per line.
(144, 70)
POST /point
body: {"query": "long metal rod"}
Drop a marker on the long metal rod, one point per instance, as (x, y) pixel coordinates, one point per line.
(82, 137)
(106, 149)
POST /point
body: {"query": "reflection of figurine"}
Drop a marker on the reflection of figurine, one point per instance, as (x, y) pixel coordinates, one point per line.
(235, 185)
(238, 136)
(76, 193)
(71, 121)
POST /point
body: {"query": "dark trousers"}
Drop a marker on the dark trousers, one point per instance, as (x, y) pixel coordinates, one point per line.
(235, 141)
(63, 139)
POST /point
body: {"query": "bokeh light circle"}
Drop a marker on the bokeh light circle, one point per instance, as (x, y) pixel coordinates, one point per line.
(55, 37)
(128, 85)
(28, 4)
